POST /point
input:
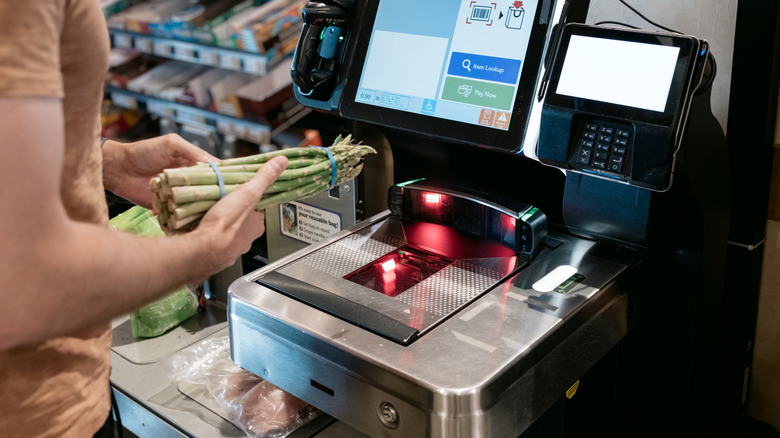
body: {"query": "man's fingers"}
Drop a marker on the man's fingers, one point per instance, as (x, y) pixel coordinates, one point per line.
(189, 152)
(265, 177)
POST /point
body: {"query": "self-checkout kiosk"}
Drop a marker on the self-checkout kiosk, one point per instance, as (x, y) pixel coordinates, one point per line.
(560, 191)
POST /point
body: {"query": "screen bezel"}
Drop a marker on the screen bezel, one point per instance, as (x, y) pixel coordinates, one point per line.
(509, 140)
(678, 90)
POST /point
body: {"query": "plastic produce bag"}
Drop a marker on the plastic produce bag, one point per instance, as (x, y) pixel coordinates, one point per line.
(157, 317)
(253, 404)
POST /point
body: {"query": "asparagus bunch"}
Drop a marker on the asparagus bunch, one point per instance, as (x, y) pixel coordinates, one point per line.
(184, 195)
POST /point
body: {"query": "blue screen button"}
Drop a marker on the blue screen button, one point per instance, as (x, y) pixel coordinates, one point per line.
(486, 68)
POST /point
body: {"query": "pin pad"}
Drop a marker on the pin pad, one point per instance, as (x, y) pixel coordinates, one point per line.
(617, 102)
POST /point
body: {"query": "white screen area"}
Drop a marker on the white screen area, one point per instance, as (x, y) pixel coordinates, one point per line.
(620, 72)
(404, 63)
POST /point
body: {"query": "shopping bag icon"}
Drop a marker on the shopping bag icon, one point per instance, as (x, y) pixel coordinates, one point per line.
(514, 17)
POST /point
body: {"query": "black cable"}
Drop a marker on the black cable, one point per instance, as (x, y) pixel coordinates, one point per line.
(713, 65)
(115, 408)
(615, 22)
(647, 19)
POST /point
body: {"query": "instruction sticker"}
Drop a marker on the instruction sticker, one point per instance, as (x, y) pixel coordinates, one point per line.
(307, 223)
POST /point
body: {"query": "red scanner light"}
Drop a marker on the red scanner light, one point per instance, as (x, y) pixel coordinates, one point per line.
(388, 265)
(432, 198)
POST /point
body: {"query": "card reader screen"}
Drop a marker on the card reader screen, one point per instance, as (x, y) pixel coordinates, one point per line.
(456, 63)
(620, 72)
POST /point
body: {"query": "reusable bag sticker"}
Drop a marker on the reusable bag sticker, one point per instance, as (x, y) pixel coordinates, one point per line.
(307, 223)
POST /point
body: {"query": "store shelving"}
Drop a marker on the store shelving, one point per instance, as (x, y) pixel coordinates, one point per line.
(239, 128)
(196, 53)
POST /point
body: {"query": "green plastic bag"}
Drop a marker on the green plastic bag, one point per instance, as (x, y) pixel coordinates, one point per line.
(157, 317)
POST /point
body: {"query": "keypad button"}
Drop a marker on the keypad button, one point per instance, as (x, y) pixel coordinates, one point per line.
(605, 146)
(618, 150)
(616, 164)
(584, 157)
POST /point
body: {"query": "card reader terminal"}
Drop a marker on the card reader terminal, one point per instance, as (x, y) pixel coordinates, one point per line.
(617, 103)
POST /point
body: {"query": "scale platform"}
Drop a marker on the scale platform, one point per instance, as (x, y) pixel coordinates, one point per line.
(405, 328)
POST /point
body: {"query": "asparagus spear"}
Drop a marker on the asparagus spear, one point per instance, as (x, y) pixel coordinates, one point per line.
(183, 195)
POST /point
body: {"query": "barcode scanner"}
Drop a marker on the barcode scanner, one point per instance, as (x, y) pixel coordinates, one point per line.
(317, 57)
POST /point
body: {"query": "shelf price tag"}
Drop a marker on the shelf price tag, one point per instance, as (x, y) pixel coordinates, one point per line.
(209, 57)
(256, 65)
(123, 40)
(144, 44)
(189, 116)
(230, 61)
(184, 52)
(258, 134)
(162, 48)
(124, 101)
(160, 109)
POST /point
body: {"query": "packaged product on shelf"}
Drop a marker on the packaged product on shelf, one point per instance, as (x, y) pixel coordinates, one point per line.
(180, 23)
(115, 120)
(275, 36)
(196, 22)
(196, 91)
(126, 64)
(169, 74)
(138, 18)
(223, 96)
(177, 88)
(266, 93)
(223, 34)
(111, 7)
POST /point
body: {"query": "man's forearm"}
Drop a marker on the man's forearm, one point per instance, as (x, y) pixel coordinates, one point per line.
(82, 275)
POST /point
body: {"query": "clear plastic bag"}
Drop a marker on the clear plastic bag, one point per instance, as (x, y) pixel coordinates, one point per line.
(157, 317)
(253, 404)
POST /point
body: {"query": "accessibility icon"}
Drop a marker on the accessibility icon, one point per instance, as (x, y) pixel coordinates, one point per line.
(429, 107)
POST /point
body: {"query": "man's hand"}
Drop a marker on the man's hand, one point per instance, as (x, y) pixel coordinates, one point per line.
(232, 224)
(128, 167)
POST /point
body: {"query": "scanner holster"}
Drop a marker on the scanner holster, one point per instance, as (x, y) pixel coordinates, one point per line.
(320, 51)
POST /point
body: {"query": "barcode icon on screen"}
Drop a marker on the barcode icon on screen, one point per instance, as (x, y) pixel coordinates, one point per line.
(480, 13)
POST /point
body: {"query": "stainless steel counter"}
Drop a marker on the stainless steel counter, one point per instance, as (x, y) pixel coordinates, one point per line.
(151, 405)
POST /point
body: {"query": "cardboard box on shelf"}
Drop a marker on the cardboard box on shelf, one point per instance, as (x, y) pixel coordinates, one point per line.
(223, 96)
(266, 93)
(196, 92)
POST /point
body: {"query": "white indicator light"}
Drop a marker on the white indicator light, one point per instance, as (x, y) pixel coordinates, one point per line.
(388, 265)
(554, 278)
(432, 198)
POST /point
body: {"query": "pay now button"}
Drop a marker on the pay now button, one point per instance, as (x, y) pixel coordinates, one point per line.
(478, 93)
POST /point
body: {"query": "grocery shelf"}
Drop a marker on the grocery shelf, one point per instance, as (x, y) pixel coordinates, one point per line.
(242, 129)
(181, 113)
(193, 52)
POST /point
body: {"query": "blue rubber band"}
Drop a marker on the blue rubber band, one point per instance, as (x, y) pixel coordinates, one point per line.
(333, 168)
(220, 181)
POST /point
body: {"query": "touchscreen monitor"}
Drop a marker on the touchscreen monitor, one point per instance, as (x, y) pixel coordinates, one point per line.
(462, 70)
